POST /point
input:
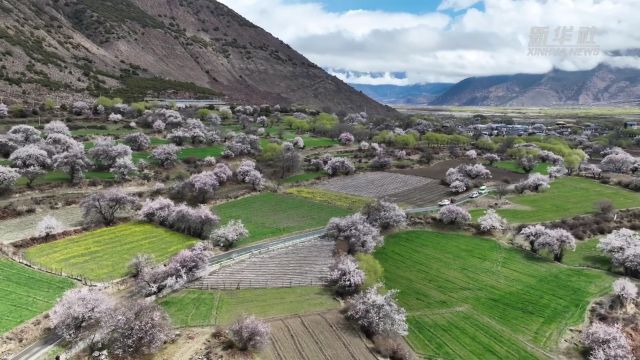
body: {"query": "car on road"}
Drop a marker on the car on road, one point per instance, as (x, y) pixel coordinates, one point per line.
(474, 195)
(444, 202)
(483, 189)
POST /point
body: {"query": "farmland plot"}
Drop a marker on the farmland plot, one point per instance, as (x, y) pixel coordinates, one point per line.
(25, 226)
(299, 265)
(26, 293)
(470, 298)
(325, 336)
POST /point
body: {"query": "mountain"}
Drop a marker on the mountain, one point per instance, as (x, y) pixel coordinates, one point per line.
(418, 94)
(602, 85)
(132, 48)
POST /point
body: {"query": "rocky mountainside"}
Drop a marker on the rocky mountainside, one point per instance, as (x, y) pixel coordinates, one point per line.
(418, 94)
(134, 48)
(603, 85)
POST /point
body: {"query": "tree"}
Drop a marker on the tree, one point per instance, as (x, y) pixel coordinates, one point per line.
(535, 182)
(339, 166)
(606, 342)
(617, 162)
(557, 171)
(471, 154)
(157, 211)
(452, 214)
(199, 188)
(527, 163)
(249, 333)
(378, 314)
(137, 141)
(159, 126)
(475, 171)
(458, 187)
(74, 162)
(123, 168)
(23, 135)
(137, 328)
(491, 221)
(384, 215)
(115, 117)
(346, 138)
(550, 158)
(48, 226)
(531, 234)
(346, 276)
(591, 170)
(625, 291)
(79, 108)
(166, 155)
(556, 241)
(31, 162)
(103, 207)
(227, 235)
(4, 111)
(223, 172)
(356, 231)
(106, 152)
(491, 158)
(623, 246)
(81, 313)
(197, 222)
(247, 173)
(298, 142)
(58, 143)
(57, 127)
(8, 178)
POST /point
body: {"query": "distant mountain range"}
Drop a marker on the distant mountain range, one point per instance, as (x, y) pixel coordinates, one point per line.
(603, 85)
(419, 94)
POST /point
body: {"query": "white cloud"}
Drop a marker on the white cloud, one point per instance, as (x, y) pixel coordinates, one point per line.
(437, 47)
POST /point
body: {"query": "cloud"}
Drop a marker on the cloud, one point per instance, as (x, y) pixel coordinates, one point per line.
(439, 46)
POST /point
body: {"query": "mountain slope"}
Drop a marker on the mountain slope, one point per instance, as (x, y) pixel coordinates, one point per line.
(601, 85)
(91, 47)
(418, 94)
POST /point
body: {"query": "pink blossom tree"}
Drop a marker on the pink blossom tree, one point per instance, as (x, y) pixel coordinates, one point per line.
(137, 141)
(226, 236)
(157, 211)
(356, 231)
(617, 162)
(123, 169)
(534, 183)
(452, 214)
(606, 342)
(339, 166)
(491, 158)
(57, 127)
(384, 215)
(378, 314)
(73, 162)
(166, 155)
(458, 187)
(471, 154)
(102, 208)
(556, 241)
(346, 138)
(491, 222)
(345, 276)
(106, 152)
(531, 234)
(31, 162)
(623, 246)
(249, 334)
(81, 313)
(197, 222)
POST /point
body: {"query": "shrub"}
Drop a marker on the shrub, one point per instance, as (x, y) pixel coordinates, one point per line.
(378, 314)
(356, 231)
(452, 214)
(345, 276)
(229, 234)
(249, 333)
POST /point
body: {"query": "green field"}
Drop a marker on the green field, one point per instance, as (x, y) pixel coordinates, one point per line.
(587, 255)
(305, 176)
(26, 293)
(567, 197)
(205, 308)
(270, 215)
(512, 165)
(311, 142)
(104, 254)
(59, 176)
(201, 152)
(472, 298)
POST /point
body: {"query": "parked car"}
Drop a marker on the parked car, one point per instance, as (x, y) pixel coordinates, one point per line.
(444, 202)
(483, 189)
(474, 195)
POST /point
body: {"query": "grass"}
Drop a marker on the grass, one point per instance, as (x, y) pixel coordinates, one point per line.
(512, 165)
(104, 254)
(472, 298)
(305, 176)
(352, 202)
(59, 176)
(26, 293)
(201, 152)
(270, 215)
(567, 197)
(206, 308)
(587, 255)
(311, 142)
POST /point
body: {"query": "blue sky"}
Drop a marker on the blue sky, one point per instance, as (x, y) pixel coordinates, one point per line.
(410, 6)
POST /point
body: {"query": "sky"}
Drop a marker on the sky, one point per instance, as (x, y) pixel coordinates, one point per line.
(406, 42)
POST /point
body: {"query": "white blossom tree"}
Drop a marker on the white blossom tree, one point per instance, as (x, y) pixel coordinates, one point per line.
(48, 226)
(458, 187)
(57, 127)
(249, 334)
(4, 111)
(298, 142)
(157, 211)
(384, 215)
(491, 222)
(556, 241)
(158, 126)
(8, 178)
(166, 155)
(58, 143)
(113, 117)
(137, 141)
(625, 291)
(345, 275)
(471, 154)
(346, 138)
(606, 342)
(623, 246)
(23, 135)
(557, 171)
(73, 162)
(79, 108)
(491, 158)
(378, 314)
(356, 231)
(534, 183)
(452, 214)
(31, 162)
(339, 166)
(531, 234)
(81, 314)
(106, 152)
(617, 162)
(103, 208)
(123, 169)
(226, 236)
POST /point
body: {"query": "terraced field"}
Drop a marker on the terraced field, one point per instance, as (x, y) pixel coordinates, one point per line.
(298, 265)
(25, 226)
(26, 293)
(325, 336)
(270, 215)
(424, 195)
(470, 298)
(104, 254)
(373, 184)
(205, 308)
